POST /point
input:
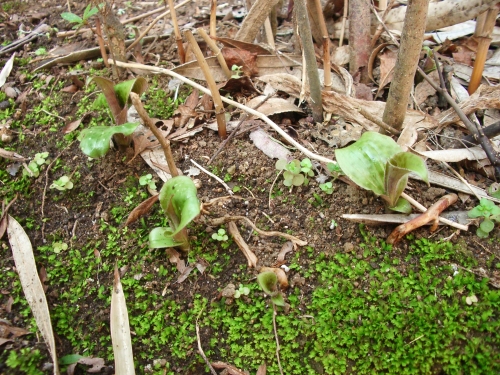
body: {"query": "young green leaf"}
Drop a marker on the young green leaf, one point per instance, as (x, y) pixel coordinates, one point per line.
(396, 175)
(179, 200)
(365, 161)
(71, 17)
(94, 142)
(162, 237)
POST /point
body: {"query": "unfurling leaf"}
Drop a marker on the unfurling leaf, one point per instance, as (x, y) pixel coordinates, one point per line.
(94, 142)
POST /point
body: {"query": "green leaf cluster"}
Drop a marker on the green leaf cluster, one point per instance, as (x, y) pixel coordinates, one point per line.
(489, 212)
(220, 235)
(147, 179)
(62, 183)
(34, 165)
(296, 172)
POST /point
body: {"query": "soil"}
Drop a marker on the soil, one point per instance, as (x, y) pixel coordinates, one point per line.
(76, 217)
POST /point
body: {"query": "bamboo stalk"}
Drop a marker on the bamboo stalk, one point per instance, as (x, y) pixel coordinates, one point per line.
(326, 46)
(484, 28)
(213, 46)
(219, 107)
(213, 18)
(177, 32)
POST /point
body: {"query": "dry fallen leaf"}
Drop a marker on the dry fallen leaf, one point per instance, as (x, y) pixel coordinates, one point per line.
(24, 259)
(141, 210)
(120, 330)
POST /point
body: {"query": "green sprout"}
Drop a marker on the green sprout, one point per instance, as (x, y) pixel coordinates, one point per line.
(147, 180)
(41, 51)
(242, 290)
(295, 172)
(63, 183)
(80, 21)
(489, 212)
(237, 71)
(59, 246)
(327, 187)
(34, 166)
(268, 281)
(220, 235)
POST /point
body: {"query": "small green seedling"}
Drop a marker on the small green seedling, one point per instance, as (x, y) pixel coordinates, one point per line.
(94, 142)
(63, 183)
(220, 235)
(494, 190)
(34, 165)
(41, 51)
(242, 291)
(80, 21)
(375, 162)
(489, 212)
(296, 172)
(147, 180)
(59, 246)
(237, 71)
(268, 281)
(178, 199)
(327, 187)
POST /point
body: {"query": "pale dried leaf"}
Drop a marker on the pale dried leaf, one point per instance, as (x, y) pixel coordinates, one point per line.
(32, 287)
(271, 148)
(286, 248)
(120, 330)
(455, 155)
(459, 217)
(7, 68)
(273, 106)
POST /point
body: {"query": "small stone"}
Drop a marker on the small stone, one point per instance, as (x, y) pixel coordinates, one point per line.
(348, 247)
(231, 169)
(229, 291)
(202, 143)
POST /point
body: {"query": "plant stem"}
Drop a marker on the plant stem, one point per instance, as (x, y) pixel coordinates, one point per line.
(211, 44)
(219, 107)
(165, 144)
(310, 58)
(178, 37)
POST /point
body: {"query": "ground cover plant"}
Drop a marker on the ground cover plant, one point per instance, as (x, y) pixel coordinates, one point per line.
(81, 176)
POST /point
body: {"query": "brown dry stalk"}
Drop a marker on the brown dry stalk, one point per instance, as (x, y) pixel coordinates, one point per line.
(326, 46)
(178, 37)
(100, 40)
(484, 28)
(165, 144)
(213, 18)
(245, 249)
(217, 53)
(219, 107)
(432, 214)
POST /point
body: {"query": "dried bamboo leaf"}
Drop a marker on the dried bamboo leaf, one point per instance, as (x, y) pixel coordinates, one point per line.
(24, 259)
(120, 330)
